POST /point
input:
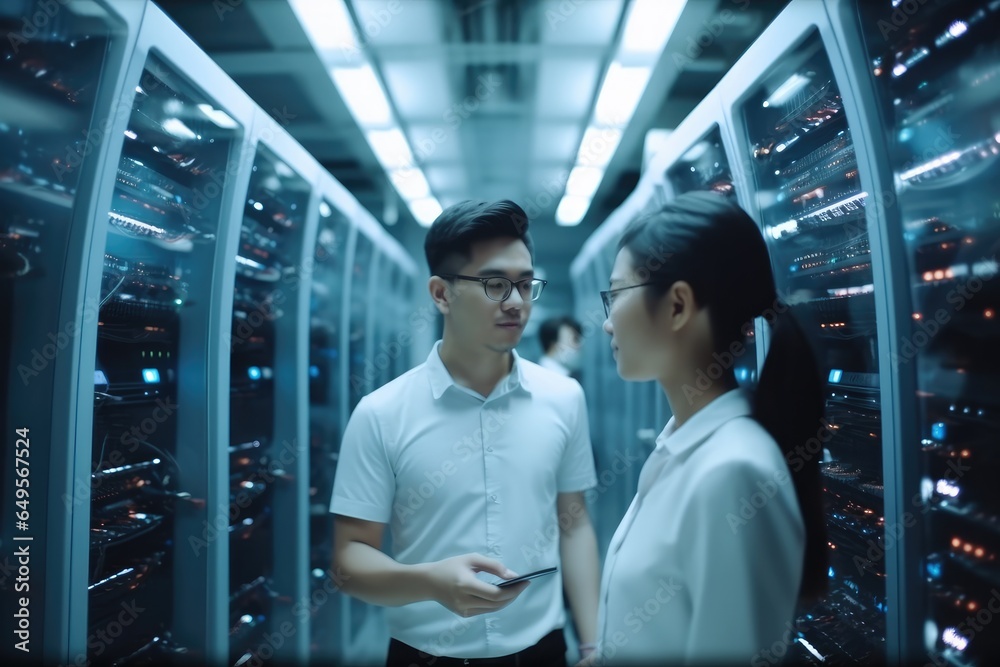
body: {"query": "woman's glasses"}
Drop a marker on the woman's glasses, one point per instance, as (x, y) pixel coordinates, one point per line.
(607, 296)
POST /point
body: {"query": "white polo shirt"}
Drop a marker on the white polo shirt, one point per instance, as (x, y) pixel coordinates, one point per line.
(452, 473)
(705, 566)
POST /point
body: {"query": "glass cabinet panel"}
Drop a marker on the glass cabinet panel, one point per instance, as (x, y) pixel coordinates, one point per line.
(326, 385)
(938, 82)
(705, 166)
(360, 300)
(162, 230)
(812, 210)
(51, 126)
(273, 214)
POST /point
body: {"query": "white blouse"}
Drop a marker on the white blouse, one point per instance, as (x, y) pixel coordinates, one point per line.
(705, 566)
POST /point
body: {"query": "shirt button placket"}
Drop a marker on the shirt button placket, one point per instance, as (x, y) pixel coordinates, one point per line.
(492, 498)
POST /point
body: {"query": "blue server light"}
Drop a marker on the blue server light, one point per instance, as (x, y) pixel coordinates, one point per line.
(835, 375)
(314, 371)
(939, 431)
(151, 375)
(254, 372)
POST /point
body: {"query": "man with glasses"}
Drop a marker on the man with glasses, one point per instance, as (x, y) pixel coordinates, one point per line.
(478, 460)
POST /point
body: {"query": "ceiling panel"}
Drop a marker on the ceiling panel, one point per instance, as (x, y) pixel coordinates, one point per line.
(446, 179)
(555, 142)
(566, 87)
(419, 89)
(588, 22)
(412, 22)
(434, 143)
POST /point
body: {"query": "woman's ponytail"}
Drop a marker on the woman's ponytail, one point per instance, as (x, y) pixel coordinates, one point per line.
(788, 403)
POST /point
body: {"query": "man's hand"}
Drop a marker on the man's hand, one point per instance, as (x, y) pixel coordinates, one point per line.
(454, 585)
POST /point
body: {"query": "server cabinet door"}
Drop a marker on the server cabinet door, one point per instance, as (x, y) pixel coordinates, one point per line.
(260, 450)
(806, 188)
(325, 423)
(59, 65)
(937, 77)
(149, 448)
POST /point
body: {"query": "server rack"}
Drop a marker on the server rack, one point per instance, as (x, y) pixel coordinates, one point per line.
(799, 131)
(327, 369)
(135, 176)
(157, 364)
(927, 74)
(267, 446)
(56, 125)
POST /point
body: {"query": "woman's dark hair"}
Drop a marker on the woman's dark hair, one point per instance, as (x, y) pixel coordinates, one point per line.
(711, 243)
(449, 241)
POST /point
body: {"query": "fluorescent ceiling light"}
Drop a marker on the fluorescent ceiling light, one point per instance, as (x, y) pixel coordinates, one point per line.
(787, 90)
(620, 94)
(363, 94)
(410, 183)
(327, 23)
(598, 146)
(571, 210)
(584, 181)
(649, 25)
(425, 210)
(391, 148)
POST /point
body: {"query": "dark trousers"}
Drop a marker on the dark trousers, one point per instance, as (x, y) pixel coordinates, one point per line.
(550, 650)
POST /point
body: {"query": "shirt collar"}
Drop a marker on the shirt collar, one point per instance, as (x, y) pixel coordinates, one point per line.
(441, 379)
(734, 403)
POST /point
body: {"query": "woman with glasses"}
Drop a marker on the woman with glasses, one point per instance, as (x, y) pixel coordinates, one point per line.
(477, 460)
(725, 533)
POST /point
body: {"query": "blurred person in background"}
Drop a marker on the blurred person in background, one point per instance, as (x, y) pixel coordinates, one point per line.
(477, 460)
(561, 339)
(690, 577)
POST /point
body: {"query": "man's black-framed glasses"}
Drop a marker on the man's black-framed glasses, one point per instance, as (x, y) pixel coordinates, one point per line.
(607, 296)
(498, 288)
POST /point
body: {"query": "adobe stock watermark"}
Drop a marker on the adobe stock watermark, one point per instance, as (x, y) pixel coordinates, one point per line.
(303, 609)
(419, 320)
(768, 488)
(900, 16)
(32, 25)
(639, 617)
(268, 309)
(776, 652)
(966, 631)
(536, 552)
(927, 327)
(275, 468)
(204, 195)
(58, 341)
(726, 360)
(706, 35)
(93, 137)
(893, 532)
(101, 640)
(464, 450)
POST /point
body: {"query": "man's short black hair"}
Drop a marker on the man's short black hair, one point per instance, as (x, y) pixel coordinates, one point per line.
(449, 240)
(548, 332)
